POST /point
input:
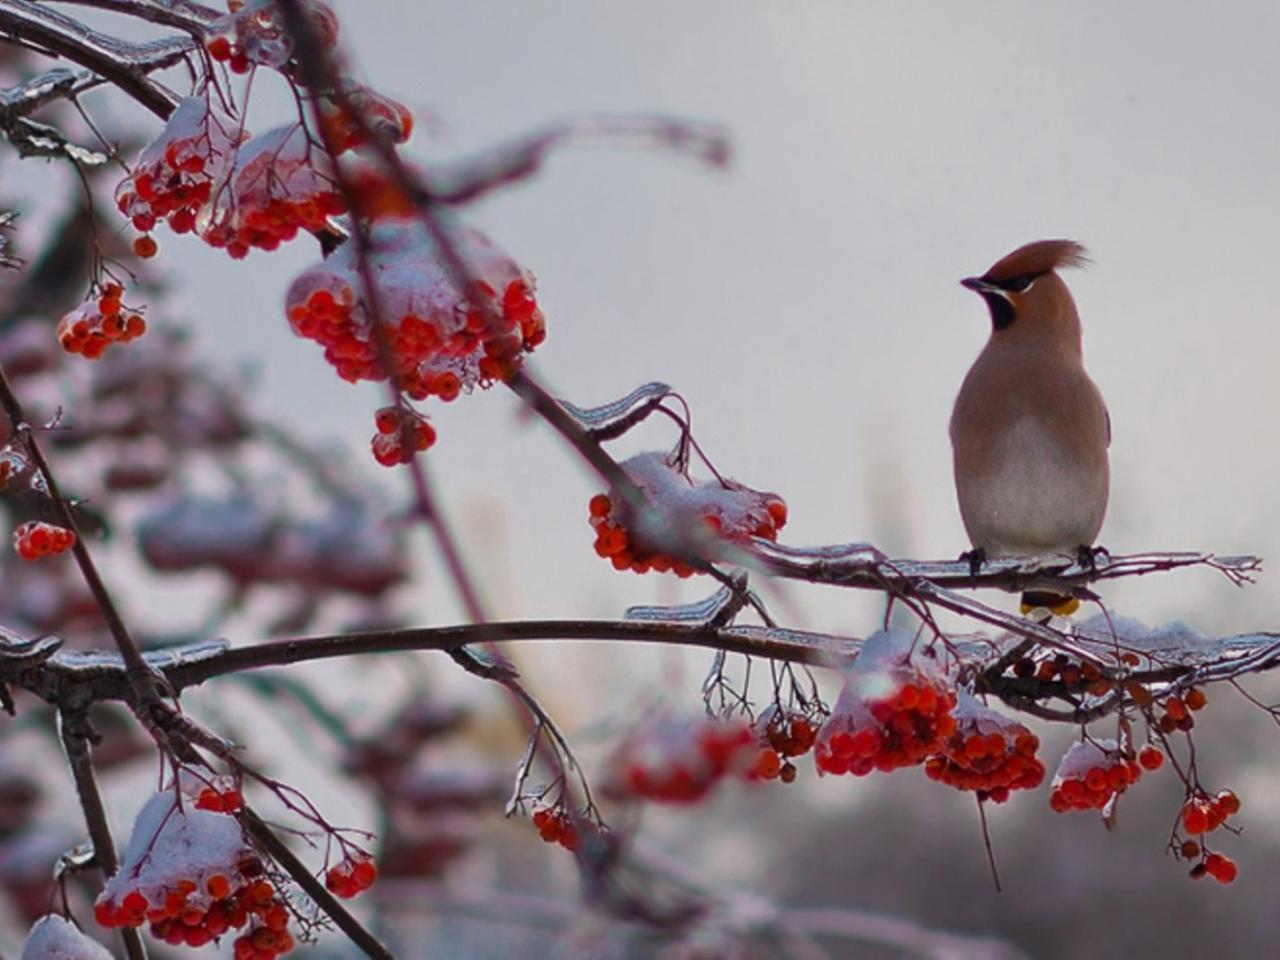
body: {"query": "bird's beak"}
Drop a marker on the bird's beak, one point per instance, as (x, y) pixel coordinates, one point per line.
(978, 285)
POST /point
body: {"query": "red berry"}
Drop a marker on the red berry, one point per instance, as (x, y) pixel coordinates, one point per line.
(1151, 758)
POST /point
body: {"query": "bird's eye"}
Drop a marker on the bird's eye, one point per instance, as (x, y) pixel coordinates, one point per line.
(1017, 284)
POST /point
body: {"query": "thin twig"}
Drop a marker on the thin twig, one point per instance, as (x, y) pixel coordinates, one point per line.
(73, 725)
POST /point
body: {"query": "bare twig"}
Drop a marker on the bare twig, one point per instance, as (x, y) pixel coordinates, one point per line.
(76, 736)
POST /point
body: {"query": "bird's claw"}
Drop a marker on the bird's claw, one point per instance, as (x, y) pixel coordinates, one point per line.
(1088, 556)
(975, 558)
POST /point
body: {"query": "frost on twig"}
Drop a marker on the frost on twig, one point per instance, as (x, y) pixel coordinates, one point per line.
(611, 420)
(718, 609)
(862, 565)
(108, 661)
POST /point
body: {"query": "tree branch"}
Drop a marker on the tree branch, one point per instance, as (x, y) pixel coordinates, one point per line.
(37, 27)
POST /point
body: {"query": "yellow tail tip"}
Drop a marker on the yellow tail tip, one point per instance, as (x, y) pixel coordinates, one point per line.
(1058, 606)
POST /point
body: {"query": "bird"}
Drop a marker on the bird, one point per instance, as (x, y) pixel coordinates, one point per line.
(1030, 431)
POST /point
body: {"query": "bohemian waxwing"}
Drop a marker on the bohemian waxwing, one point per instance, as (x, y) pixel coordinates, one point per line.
(1030, 431)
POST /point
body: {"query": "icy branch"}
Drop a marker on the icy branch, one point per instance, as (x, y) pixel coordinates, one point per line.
(122, 64)
(863, 566)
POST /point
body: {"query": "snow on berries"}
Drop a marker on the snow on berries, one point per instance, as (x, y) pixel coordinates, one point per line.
(189, 873)
(280, 185)
(441, 341)
(351, 877)
(55, 938)
(395, 424)
(678, 759)
(35, 539)
(99, 322)
(895, 709)
(174, 176)
(728, 510)
(1090, 775)
(988, 753)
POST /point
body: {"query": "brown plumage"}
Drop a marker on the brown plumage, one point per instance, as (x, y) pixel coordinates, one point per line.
(1029, 430)
(1038, 258)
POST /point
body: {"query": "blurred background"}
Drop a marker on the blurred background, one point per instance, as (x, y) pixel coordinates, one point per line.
(805, 302)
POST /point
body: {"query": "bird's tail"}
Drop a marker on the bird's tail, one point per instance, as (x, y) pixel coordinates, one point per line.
(1059, 604)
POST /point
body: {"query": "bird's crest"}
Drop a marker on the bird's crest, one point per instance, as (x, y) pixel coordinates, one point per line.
(1038, 258)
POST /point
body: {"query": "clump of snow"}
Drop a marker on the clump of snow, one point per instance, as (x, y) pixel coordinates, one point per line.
(171, 845)
(55, 938)
(680, 504)
(972, 715)
(1132, 633)
(1084, 756)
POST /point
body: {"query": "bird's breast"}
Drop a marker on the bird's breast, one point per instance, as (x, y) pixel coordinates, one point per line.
(1027, 489)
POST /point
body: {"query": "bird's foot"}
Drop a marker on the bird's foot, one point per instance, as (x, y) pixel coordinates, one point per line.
(975, 558)
(1088, 556)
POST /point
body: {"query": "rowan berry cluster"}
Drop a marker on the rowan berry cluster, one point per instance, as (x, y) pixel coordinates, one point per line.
(441, 340)
(1060, 668)
(1212, 864)
(556, 825)
(174, 176)
(727, 510)
(280, 185)
(253, 33)
(988, 753)
(394, 424)
(189, 874)
(895, 710)
(1203, 814)
(1178, 710)
(675, 759)
(1090, 775)
(97, 323)
(35, 539)
(781, 735)
(351, 877)
(382, 115)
